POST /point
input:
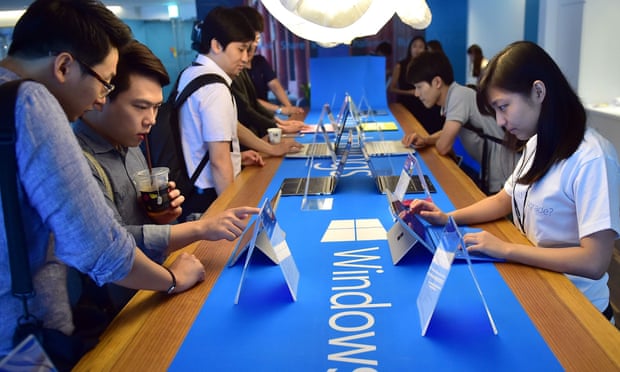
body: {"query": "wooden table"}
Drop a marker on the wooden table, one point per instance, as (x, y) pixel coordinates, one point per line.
(148, 332)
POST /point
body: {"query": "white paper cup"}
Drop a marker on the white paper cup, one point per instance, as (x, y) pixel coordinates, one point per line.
(275, 135)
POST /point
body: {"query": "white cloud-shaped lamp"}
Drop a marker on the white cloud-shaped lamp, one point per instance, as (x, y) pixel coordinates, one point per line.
(330, 22)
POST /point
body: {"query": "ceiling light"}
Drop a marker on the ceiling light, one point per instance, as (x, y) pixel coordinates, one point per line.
(173, 11)
(8, 18)
(331, 23)
(341, 13)
(416, 14)
(116, 9)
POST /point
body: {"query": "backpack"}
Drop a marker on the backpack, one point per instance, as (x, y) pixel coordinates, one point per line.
(165, 147)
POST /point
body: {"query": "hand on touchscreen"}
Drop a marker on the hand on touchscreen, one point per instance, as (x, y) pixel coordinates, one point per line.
(429, 211)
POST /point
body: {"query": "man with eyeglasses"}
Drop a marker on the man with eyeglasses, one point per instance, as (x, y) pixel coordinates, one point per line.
(70, 48)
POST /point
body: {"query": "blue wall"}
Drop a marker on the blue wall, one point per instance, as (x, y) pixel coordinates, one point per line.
(530, 29)
(449, 26)
(204, 6)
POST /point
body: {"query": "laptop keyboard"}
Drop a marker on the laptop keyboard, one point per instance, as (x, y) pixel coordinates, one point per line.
(386, 147)
(318, 186)
(315, 149)
(414, 187)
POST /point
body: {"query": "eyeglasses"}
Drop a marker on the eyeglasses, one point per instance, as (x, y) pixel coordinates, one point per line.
(109, 87)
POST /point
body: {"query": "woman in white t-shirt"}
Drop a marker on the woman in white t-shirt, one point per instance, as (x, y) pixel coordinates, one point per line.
(563, 193)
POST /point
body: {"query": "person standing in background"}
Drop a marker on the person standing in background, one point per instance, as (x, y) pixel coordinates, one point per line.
(208, 118)
(476, 66)
(263, 76)
(430, 118)
(434, 46)
(252, 114)
(265, 79)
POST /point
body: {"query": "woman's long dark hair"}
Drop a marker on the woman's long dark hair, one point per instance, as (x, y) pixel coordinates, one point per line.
(405, 61)
(562, 121)
(476, 53)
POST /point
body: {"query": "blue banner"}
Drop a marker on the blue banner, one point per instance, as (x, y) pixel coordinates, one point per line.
(355, 309)
(360, 76)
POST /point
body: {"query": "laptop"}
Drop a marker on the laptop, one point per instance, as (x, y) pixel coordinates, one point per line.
(317, 150)
(386, 147)
(381, 147)
(373, 112)
(331, 127)
(410, 230)
(323, 149)
(243, 242)
(388, 182)
(315, 185)
(366, 111)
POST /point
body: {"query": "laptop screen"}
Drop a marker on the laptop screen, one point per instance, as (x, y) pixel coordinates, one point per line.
(343, 158)
(332, 151)
(341, 127)
(413, 221)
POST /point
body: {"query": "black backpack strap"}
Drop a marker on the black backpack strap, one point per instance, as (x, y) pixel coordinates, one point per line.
(21, 280)
(484, 168)
(480, 132)
(192, 87)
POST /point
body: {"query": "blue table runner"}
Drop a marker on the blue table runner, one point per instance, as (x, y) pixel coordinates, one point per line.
(355, 309)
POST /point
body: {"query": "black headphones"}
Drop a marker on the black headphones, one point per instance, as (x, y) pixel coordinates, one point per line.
(197, 35)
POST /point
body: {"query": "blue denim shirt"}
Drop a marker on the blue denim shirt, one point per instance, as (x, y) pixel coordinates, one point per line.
(58, 195)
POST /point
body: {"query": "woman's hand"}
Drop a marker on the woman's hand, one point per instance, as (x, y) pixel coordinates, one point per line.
(429, 211)
(487, 243)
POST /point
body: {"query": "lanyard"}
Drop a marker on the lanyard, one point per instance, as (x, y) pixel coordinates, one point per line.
(520, 217)
(521, 214)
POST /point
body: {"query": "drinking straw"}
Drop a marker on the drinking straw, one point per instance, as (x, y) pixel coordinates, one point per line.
(148, 154)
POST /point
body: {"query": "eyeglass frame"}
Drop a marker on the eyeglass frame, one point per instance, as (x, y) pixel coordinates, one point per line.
(109, 87)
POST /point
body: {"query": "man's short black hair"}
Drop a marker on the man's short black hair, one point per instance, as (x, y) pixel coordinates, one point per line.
(137, 59)
(225, 25)
(253, 16)
(428, 65)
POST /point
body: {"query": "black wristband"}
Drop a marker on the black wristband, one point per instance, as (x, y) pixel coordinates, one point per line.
(174, 281)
